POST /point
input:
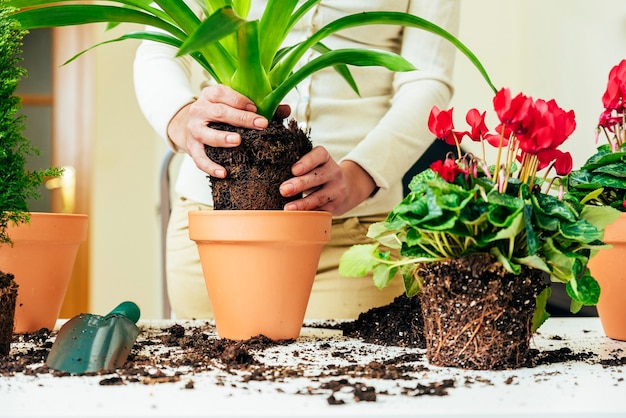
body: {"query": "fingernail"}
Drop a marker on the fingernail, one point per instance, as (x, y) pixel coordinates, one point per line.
(260, 123)
(250, 107)
(291, 206)
(220, 173)
(286, 189)
(297, 169)
(232, 139)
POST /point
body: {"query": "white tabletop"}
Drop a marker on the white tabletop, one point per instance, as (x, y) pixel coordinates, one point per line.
(579, 388)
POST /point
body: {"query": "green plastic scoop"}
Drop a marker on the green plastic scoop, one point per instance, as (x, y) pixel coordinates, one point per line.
(89, 343)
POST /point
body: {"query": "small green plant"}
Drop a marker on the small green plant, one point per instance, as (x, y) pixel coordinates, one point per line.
(602, 179)
(17, 185)
(463, 206)
(246, 55)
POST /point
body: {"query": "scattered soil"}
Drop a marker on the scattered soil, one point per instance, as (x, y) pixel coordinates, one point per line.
(399, 324)
(176, 354)
(341, 371)
(257, 167)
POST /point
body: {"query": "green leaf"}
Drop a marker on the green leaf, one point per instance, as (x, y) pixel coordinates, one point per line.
(562, 265)
(350, 56)
(412, 285)
(532, 240)
(600, 216)
(551, 206)
(508, 233)
(606, 180)
(541, 315)
(584, 290)
(581, 179)
(374, 18)
(615, 170)
(358, 260)
(604, 157)
(341, 69)
(378, 229)
(581, 231)
(417, 209)
(80, 14)
(222, 23)
(251, 79)
(533, 261)
(506, 262)
(545, 222)
(383, 274)
(274, 26)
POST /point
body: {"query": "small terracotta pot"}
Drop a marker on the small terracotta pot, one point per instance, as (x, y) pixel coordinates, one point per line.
(606, 268)
(259, 268)
(42, 259)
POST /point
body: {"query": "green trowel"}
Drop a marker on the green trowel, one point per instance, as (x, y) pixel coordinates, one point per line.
(89, 343)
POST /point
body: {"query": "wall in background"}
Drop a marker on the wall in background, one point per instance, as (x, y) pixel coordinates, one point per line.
(125, 255)
(561, 49)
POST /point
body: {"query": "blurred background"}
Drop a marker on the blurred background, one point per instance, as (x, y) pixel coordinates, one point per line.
(84, 116)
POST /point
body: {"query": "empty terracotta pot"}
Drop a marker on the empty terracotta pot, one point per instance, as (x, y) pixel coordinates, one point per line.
(42, 259)
(259, 268)
(607, 269)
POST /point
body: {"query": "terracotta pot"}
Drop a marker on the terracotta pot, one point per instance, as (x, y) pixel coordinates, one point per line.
(259, 268)
(42, 259)
(606, 268)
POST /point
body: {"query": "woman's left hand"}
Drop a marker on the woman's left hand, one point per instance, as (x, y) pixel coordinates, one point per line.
(326, 185)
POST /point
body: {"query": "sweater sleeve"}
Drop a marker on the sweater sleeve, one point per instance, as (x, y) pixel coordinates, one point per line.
(402, 135)
(162, 83)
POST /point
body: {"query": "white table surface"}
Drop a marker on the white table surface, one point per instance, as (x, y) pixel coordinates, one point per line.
(572, 389)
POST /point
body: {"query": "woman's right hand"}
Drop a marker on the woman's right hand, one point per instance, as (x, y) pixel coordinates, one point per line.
(189, 129)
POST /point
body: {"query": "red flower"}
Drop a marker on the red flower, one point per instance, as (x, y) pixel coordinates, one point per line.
(515, 113)
(441, 125)
(476, 121)
(553, 126)
(615, 94)
(503, 133)
(563, 162)
(447, 169)
(611, 99)
(608, 120)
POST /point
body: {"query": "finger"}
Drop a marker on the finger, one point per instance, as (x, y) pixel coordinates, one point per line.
(307, 183)
(198, 154)
(318, 200)
(317, 157)
(226, 95)
(213, 137)
(226, 105)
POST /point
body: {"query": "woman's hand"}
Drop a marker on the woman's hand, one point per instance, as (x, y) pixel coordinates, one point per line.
(189, 129)
(327, 186)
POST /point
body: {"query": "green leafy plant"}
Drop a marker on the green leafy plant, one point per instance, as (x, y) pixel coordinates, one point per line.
(17, 185)
(244, 54)
(602, 179)
(462, 206)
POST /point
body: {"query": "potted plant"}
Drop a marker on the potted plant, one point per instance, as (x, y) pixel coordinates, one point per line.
(478, 243)
(248, 56)
(602, 181)
(28, 253)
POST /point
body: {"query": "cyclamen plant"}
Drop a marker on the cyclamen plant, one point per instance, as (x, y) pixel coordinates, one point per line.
(602, 179)
(461, 206)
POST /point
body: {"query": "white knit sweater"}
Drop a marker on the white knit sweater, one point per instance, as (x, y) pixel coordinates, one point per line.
(384, 130)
